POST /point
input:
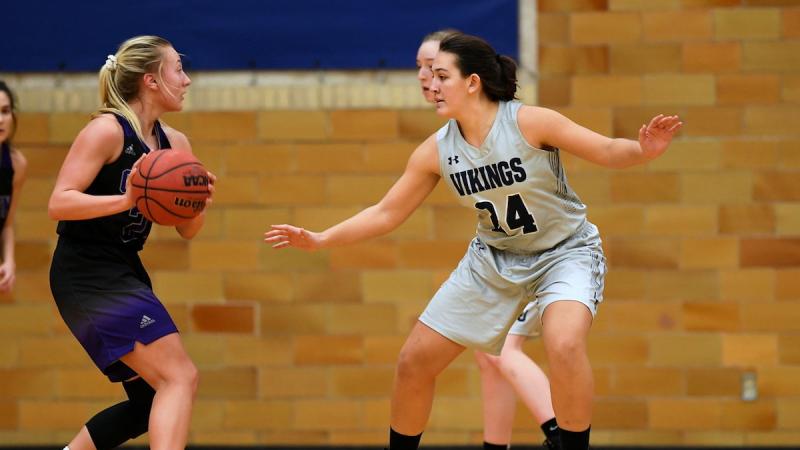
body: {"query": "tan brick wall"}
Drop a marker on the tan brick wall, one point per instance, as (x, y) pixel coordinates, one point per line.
(700, 240)
(297, 348)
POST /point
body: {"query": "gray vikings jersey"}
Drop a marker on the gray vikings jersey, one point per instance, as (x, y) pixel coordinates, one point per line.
(519, 192)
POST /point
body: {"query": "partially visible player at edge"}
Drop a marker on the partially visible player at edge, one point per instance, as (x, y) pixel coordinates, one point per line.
(13, 167)
(513, 370)
(100, 286)
(500, 158)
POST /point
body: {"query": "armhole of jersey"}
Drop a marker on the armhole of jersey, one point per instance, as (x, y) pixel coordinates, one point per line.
(515, 118)
(127, 132)
(441, 135)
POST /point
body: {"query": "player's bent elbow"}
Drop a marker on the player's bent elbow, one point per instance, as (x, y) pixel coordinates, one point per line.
(53, 212)
(189, 230)
(187, 234)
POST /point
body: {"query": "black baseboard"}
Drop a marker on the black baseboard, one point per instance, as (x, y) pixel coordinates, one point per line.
(423, 447)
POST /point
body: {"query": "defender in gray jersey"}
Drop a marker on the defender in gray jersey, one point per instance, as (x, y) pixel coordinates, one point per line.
(533, 242)
(513, 374)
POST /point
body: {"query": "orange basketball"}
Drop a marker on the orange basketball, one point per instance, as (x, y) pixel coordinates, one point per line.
(170, 187)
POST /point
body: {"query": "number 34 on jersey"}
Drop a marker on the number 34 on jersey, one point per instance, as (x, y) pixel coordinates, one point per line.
(517, 215)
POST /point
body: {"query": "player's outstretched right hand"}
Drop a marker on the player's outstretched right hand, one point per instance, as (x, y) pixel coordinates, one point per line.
(284, 236)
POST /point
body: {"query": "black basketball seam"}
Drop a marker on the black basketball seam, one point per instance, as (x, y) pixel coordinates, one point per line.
(179, 190)
(179, 166)
(146, 182)
(146, 198)
(158, 156)
(185, 191)
(136, 203)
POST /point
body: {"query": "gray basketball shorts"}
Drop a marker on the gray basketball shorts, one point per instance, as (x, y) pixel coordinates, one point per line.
(490, 288)
(529, 323)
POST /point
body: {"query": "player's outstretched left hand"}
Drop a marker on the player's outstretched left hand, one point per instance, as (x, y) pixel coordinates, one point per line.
(654, 138)
(284, 236)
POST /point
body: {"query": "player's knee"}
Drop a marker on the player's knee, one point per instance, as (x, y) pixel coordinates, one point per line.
(405, 364)
(412, 364)
(182, 375)
(504, 362)
(194, 379)
(140, 395)
(189, 376)
(562, 350)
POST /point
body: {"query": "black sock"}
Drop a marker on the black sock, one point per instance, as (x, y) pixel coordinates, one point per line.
(550, 430)
(399, 441)
(575, 440)
(488, 446)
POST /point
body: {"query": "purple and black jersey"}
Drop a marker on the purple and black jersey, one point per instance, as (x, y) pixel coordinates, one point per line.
(6, 182)
(99, 284)
(128, 228)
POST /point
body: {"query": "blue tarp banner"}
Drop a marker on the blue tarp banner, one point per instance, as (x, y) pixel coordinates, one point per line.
(46, 36)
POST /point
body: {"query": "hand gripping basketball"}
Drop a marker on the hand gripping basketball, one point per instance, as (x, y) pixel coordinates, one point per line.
(170, 186)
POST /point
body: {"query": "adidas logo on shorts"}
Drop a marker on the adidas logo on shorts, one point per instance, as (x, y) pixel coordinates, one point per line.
(146, 321)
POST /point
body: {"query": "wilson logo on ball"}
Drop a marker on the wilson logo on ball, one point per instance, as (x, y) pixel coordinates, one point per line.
(195, 205)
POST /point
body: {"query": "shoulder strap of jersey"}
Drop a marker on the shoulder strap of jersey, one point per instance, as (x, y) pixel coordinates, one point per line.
(127, 128)
(163, 141)
(511, 108)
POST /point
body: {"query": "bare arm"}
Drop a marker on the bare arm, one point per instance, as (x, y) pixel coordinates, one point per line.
(98, 143)
(545, 127)
(180, 143)
(9, 266)
(402, 199)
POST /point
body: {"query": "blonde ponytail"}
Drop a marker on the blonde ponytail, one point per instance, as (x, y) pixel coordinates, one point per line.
(120, 75)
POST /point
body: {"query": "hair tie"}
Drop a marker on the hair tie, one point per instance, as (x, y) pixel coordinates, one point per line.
(111, 63)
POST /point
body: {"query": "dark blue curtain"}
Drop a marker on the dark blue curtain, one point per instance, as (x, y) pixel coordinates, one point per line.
(246, 34)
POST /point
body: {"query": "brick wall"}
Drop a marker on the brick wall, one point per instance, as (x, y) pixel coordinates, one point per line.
(703, 246)
(704, 243)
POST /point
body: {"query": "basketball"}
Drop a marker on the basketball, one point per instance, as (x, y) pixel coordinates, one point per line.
(170, 187)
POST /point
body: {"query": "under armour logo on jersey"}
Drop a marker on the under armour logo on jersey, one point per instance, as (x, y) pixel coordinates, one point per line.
(452, 160)
(146, 321)
(129, 150)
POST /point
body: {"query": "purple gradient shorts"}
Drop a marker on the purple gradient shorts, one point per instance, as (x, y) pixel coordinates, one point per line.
(106, 299)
